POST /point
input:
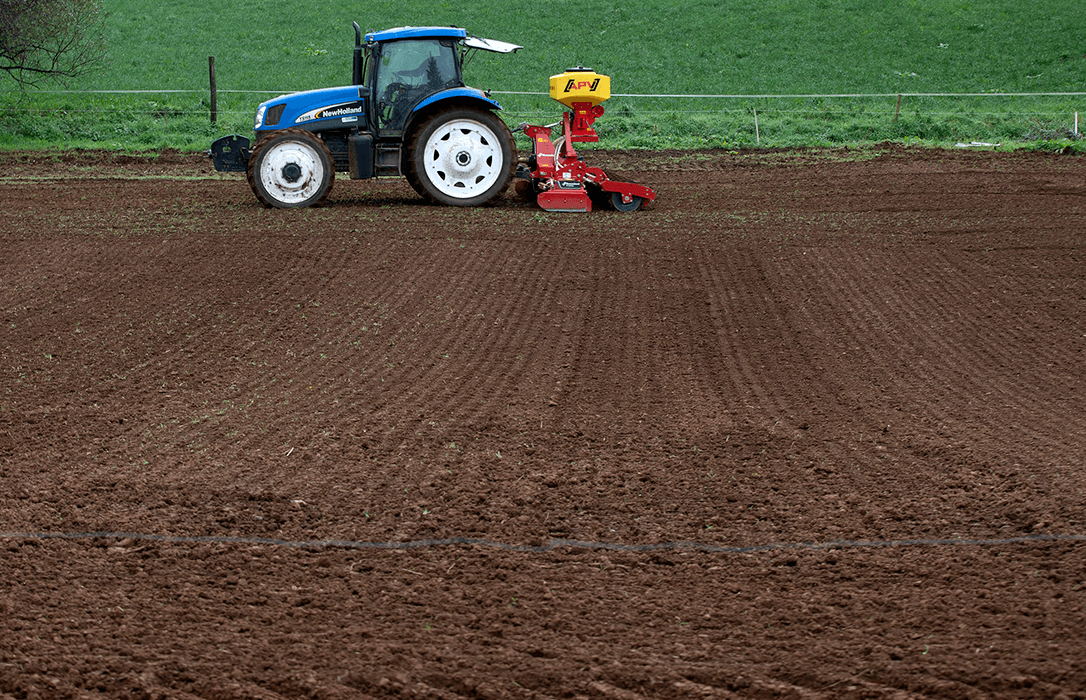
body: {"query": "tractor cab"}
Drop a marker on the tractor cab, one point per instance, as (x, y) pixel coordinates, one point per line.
(407, 70)
(407, 65)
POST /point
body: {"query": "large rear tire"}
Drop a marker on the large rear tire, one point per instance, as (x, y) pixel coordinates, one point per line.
(461, 157)
(291, 168)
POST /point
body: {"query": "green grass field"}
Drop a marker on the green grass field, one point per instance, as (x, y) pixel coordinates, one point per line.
(656, 47)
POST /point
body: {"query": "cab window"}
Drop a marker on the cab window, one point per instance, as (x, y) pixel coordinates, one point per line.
(417, 64)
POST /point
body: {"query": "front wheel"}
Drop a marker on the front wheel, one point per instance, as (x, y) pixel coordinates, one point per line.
(291, 168)
(461, 157)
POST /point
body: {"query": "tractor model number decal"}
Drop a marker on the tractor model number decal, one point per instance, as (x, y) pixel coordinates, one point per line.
(582, 84)
(341, 110)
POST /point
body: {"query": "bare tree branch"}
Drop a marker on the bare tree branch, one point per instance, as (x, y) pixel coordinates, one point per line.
(42, 40)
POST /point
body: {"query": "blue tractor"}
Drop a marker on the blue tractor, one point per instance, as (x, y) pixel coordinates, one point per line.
(408, 112)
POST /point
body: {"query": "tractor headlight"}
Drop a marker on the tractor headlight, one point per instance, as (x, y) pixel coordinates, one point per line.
(259, 116)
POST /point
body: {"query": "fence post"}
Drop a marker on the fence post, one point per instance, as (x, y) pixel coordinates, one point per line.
(214, 89)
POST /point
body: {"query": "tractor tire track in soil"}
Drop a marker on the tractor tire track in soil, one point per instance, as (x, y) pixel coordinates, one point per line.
(787, 350)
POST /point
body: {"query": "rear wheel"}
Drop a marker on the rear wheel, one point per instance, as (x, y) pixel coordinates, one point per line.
(291, 168)
(461, 157)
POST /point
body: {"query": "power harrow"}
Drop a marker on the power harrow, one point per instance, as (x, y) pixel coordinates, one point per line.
(554, 175)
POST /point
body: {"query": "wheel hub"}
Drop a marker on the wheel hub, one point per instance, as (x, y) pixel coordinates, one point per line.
(463, 159)
(292, 172)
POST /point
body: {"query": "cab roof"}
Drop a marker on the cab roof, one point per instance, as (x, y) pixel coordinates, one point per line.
(417, 33)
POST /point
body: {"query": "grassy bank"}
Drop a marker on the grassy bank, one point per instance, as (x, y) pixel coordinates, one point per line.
(783, 47)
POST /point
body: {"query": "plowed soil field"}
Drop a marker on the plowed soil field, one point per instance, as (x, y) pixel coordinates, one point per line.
(813, 425)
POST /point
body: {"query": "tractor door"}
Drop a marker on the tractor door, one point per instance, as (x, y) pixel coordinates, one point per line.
(409, 70)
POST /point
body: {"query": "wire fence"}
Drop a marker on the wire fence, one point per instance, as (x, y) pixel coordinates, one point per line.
(707, 119)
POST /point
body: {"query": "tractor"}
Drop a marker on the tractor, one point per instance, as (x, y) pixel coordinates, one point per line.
(408, 113)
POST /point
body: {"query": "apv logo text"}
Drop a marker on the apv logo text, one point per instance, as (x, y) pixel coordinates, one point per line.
(580, 85)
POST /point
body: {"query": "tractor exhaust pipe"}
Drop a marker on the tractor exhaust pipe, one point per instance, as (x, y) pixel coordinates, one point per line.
(357, 76)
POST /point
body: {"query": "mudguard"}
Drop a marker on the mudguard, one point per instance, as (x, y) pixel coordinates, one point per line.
(473, 93)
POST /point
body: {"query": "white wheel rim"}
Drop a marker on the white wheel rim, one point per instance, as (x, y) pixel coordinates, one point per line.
(463, 158)
(292, 171)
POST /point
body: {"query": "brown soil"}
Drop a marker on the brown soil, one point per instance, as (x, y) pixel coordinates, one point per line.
(811, 426)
